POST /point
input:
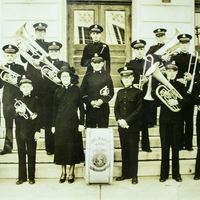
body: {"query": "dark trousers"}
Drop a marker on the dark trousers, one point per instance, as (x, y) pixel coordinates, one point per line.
(197, 165)
(187, 132)
(46, 107)
(170, 137)
(152, 116)
(129, 141)
(9, 118)
(26, 145)
(97, 117)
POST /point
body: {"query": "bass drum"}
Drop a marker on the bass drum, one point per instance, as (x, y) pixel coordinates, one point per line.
(99, 155)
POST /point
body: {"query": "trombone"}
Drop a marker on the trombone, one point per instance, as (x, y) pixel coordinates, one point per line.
(29, 115)
(27, 45)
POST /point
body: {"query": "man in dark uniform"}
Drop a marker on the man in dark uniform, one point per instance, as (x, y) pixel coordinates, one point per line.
(10, 91)
(171, 127)
(182, 60)
(137, 65)
(160, 35)
(97, 90)
(128, 111)
(40, 84)
(97, 47)
(27, 130)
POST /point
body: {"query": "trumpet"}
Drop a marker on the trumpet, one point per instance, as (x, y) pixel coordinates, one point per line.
(165, 92)
(27, 46)
(8, 75)
(27, 114)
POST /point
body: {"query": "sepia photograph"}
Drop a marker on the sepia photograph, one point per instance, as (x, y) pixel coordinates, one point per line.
(99, 99)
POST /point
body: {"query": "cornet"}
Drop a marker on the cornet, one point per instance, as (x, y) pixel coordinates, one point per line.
(8, 75)
(26, 44)
(29, 115)
(166, 91)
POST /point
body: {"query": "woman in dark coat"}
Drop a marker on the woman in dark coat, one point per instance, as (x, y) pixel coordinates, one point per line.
(68, 138)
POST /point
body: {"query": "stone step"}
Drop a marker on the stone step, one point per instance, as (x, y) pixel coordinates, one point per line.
(155, 155)
(154, 142)
(50, 170)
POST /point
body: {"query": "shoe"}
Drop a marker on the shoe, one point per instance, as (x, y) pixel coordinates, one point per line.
(32, 181)
(178, 179)
(134, 181)
(3, 152)
(49, 153)
(121, 178)
(162, 180)
(62, 178)
(19, 182)
(189, 149)
(147, 150)
(71, 178)
(196, 178)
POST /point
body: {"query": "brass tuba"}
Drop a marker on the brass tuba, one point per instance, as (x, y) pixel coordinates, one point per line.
(28, 114)
(27, 46)
(8, 75)
(166, 91)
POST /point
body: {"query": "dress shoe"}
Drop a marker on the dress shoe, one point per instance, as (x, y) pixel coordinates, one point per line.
(196, 178)
(3, 152)
(121, 178)
(147, 150)
(162, 180)
(178, 179)
(189, 149)
(71, 178)
(134, 181)
(32, 181)
(62, 178)
(19, 182)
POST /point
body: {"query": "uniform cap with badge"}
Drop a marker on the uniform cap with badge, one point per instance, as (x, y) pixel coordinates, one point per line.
(24, 79)
(9, 48)
(137, 44)
(172, 65)
(40, 26)
(96, 28)
(184, 38)
(54, 45)
(125, 71)
(159, 32)
(96, 58)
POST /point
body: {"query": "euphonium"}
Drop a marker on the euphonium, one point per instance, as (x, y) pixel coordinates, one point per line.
(9, 75)
(29, 48)
(166, 91)
(28, 114)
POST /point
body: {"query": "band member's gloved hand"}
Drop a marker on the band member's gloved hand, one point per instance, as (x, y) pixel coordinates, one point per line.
(94, 104)
(182, 80)
(81, 128)
(36, 63)
(12, 80)
(37, 136)
(53, 129)
(172, 102)
(123, 123)
(99, 102)
(20, 110)
(144, 79)
(166, 57)
(187, 76)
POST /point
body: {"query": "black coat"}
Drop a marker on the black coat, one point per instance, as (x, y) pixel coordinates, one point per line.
(90, 49)
(68, 141)
(128, 106)
(154, 48)
(10, 92)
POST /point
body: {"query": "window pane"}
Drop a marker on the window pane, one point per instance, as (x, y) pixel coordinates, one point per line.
(83, 19)
(115, 27)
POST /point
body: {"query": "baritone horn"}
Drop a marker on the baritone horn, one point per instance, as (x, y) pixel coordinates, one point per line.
(8, 75)
(28, 114)
(28, 48)
(165, 92)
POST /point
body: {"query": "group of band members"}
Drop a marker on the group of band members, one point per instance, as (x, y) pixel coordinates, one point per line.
(49, 104)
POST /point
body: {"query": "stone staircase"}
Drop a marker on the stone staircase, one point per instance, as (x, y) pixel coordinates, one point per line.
(149, 163)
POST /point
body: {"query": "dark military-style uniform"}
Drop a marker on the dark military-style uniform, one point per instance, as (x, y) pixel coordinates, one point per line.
(9, 94)
(182, 62)
(93, 48)
(97, 85)
(128, 106)
(26, 144)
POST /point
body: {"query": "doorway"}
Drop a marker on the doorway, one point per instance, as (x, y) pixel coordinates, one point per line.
(116, 21)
